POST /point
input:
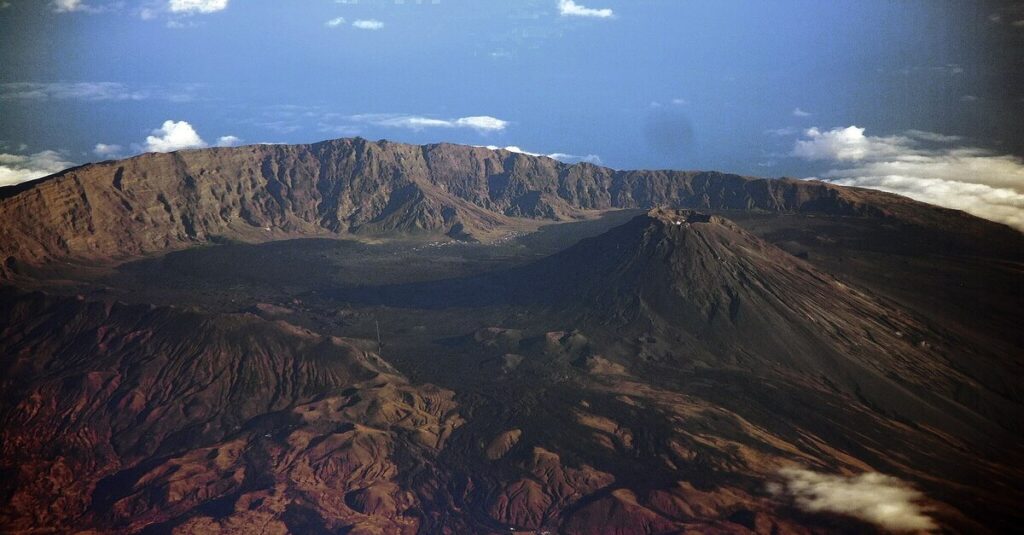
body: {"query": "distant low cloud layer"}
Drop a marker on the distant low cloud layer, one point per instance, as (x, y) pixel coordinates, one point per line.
(368, 24)
(15, 168)
(197, 6)
(568, 8)
(104, 150)
(68, 6)
(876, 498)
(560, 156)
(925, 166)
(149, 11)
(171, 136)
(229, 141)
(480, 123)
(180, 135)
(93, 92)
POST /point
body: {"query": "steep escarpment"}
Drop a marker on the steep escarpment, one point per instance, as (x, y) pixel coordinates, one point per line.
(156, 202)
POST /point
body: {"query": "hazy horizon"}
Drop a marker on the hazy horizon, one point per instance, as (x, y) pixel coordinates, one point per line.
(919, 98)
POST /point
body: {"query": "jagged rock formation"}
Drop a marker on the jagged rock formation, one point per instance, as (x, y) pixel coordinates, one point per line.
(156, 202)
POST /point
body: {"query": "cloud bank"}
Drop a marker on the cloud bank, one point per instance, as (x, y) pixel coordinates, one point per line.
(92, 92)
(15, 168)
(872, 497)
(568, 8)
(174, 136)
(68, 6)
(104, 150)
(924, 166)
(560, 156)
(229, 141)
(368, 24)
(88, 91)
(179, 135)
(197, 6)
(480, 123)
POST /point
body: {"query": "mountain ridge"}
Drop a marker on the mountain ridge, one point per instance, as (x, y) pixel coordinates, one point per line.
(351, 187)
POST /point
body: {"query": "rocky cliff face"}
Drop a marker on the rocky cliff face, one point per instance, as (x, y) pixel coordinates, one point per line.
(156, 202)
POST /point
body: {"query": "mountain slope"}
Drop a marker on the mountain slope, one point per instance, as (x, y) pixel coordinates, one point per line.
(156, 202)
(677, 327)
(689, 288)
(119, 417)
(658, 378)
(701, 281)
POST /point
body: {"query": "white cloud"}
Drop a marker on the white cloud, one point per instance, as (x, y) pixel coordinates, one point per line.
(568, 8)
(197, 6)
(797, 112)
(560, 156)
(368, 24)
(174, 136)
(848, 143)
(573, 158)
(974, 180)
(15, 168)
(68, 6)
(872, 497)
(104, 150)
(997, 204)
(228, 141)
(335, 22)
(480, 123)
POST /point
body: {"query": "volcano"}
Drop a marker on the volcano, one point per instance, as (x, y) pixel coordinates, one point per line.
(370, 337)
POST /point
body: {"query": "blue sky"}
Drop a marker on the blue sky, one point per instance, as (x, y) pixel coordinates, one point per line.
(733, 86)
